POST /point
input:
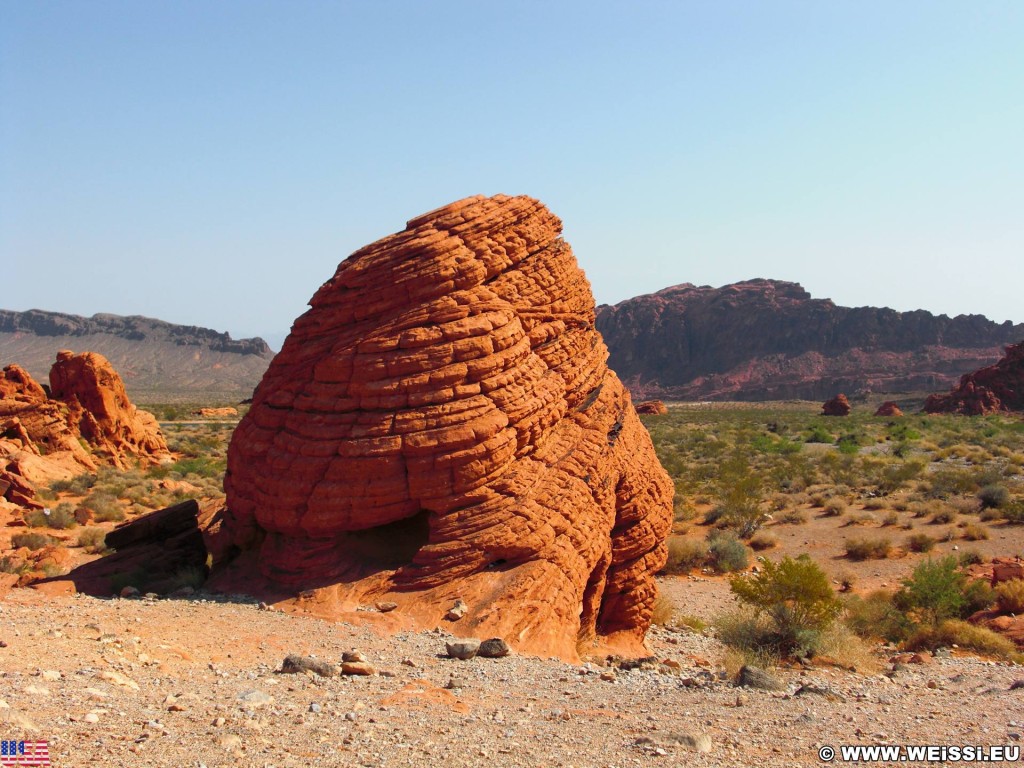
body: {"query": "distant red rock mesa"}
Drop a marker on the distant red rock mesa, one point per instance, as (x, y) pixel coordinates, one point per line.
(996, 388)
(652, 407)
(40, 435)
(441, 425)
(888, 408)
(837, 406)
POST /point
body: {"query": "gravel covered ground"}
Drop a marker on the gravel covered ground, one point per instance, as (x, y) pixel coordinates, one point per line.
(194, 682)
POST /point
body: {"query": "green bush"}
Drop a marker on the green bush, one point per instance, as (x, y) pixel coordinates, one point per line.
(876, 617)
(978, 596)
(796, 596)
(740, 492)
(104, 506)
(935, 590)
(58, 518)
(868, 549)
(994, 496)
(685, 554)
(960, 633)
(728, 553)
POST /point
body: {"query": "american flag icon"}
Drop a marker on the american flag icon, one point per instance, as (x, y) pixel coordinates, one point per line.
(28, 753)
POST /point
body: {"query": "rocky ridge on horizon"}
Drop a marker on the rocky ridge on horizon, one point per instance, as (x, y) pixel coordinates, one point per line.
(769, 339)
(154, 357)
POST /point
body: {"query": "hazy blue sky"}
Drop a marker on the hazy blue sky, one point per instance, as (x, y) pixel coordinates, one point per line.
(210, 163)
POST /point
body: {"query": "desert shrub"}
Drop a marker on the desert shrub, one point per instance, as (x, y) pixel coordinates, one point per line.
(104, 506)
(964, 505)
(935, 590)
(895, 475)
(794, 517)
(728, 553)
(988, 515)
(93, 540)
(685, 554)
(762, 540)
(944, 517)
(740, 492)
(76, 486)
(748, 632)
(971, 557)
(950, 482)
(695, 623)
(876, 617)
(32, 540)
(994, 496)
(1014, 513)
(868, 549)
(876, 503)
(13, 565)
(1010, 596)
(920, 542)
(975, 532)
(891, 519)
(835, 506)
(60, 517)
(960, 633)
(864, 518)
(978, 596)
(818, 434)
(796, 596)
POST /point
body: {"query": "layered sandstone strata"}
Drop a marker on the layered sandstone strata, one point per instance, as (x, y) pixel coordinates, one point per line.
(995, 388)
(441, 425)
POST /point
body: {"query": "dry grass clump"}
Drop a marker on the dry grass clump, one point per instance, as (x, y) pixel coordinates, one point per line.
(685, 554)
(944, 517)
(762, 540)
(59, 518)
(664, 611)
(975, 532)
(1010, 596)
(93, 540)
(793, 517)
(876, 503)
(891, 519)
(835, 506)
(864, 518)
(961, 633)
(31, 540)
(920, 542)
(868, 549)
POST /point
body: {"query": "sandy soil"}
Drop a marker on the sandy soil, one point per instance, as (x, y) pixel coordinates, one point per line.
(193, 682)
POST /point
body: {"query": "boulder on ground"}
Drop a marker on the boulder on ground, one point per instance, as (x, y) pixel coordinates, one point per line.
(888, 408)
(998, 387)
(837, 406)
(652, 407)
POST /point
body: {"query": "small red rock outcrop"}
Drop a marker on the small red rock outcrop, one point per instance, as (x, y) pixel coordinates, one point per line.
(996, 388)
(40, 436)
(100, 411)
(442, 426)
(888, 408)
(652, 407)
(837, 406)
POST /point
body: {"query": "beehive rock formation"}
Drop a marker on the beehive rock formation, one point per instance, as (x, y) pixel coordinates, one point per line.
(888, 408)
(837, 406)
(442, 425)
(995, 388)
(100, 411)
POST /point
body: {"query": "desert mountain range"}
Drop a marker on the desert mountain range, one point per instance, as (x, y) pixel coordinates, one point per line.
(156, 359)
(754, 340)
(769, 339)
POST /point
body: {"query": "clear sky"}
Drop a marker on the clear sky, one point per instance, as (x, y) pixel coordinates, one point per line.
(210, 163)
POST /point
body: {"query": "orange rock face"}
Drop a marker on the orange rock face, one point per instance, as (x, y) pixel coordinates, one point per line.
(837, 406)
(442, 425)
(100, 411)
(993, 389)
(888, 408)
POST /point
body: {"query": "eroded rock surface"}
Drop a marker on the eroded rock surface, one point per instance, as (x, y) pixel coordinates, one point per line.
(888, 408)
(100, 411)
(442, 425)
(837, 406)
(652, 407)
(995, 388)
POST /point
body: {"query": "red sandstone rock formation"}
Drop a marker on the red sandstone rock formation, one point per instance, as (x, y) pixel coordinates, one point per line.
(99, 409)
(837, 406)
(653, 407)
(40, 436)
(998, 387)
(888, 408)
(442, 425)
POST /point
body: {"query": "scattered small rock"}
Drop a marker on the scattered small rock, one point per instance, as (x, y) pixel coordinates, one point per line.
(457, 611)
(462, 649)
(361, 668)
(494, 648)
(700, 742)
(294, 664)
(755, 677)
(129, 591)
(386, 607)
